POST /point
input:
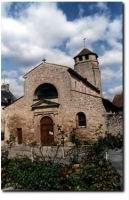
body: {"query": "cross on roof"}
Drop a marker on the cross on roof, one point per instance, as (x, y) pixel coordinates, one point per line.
(84, 42)
(44, 60)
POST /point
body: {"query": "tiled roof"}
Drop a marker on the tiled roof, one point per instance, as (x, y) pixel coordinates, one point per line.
(85, 52)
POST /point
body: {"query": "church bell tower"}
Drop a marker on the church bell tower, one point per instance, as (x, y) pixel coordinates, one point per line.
(87, 65)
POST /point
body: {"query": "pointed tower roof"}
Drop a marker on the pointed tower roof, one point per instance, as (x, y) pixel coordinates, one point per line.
(84, 52)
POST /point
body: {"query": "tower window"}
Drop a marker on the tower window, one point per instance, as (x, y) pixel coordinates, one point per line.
(81, 119)
(80, 58)
(86, 57)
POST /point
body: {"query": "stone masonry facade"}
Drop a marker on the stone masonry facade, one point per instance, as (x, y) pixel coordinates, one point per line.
(75, 94)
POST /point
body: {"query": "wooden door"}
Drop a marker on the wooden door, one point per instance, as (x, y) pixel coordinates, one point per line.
(46, 128)
(19, 135)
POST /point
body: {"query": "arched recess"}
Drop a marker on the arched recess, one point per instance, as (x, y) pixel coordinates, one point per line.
(46, 91)
(81, 120)
(46, 131)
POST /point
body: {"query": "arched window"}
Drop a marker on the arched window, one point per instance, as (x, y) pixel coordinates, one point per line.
(46, 91)
(81, 119)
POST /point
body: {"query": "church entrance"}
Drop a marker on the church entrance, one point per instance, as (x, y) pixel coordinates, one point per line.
(46, 131)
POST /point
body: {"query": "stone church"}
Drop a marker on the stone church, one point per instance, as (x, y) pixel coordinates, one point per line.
(57, 100)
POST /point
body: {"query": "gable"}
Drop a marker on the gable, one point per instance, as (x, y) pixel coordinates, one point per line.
(44, 104)
(42, 67)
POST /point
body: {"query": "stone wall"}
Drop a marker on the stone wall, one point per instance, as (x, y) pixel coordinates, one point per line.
(89, 69)
(115, 123)
(71, 101)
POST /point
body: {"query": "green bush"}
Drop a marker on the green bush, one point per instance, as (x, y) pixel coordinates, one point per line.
(75, 139)
(95, 173)
(37, 175)
(101, 176)
(4, 158)
(47, 176)
(108, 142)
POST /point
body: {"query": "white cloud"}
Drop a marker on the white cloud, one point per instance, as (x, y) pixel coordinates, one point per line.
(16, 87)
(15, 81)
(114, 30)
(115, 90)
(37, 33)
(110, 57)
(108, 74)
(102, 6)
(81, 11)
(42, 28)
(112, 92)
(12, 73)
(5, 6)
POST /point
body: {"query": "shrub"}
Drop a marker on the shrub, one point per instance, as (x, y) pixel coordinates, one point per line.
(4, 164)
(47, 176)
(75, 139)
(108, 142)
(94, 174)
(101, 176)
(4, 157)
(39, 175)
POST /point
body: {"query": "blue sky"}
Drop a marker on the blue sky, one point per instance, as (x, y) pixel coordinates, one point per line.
(55, 31)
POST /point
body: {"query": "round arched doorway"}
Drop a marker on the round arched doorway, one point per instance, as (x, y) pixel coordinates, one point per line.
(46, 131)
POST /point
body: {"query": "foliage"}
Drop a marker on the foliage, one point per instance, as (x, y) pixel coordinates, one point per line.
(4, 157)
(100, 176)
(108, 142)
(11, 140)
(114, 141)
(37, 175)
(4, 163)
(99, 130)
(74, 139)
(95, 174)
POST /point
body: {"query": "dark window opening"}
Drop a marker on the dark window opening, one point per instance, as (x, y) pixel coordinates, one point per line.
(9, 101)
(80, 58)
(19, 135)
(2, 135)
(86, 57)
(81, 119)
(46, 91)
